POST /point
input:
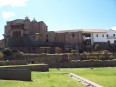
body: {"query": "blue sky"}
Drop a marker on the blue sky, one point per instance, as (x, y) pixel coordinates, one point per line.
(61, 14)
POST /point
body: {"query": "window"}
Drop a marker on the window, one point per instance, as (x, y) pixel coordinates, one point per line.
(115, 41)
(19, 33)
(73, 35)
(107, 35)
(47, 40)
(102, 35)
(96, 35)
(108, 42)
(16, 34)
(114, 35)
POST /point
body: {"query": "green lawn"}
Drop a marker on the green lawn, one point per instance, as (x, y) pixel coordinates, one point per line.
(103, 76)
(43, 80)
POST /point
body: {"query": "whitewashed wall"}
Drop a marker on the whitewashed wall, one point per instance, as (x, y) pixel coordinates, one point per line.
(100, 38)
(111, 38)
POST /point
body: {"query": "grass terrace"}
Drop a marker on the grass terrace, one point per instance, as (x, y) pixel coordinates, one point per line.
(103, 76)
(43, 80)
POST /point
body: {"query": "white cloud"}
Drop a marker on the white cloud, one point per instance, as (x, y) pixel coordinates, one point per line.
(13, 3)
(113, 28)
(6, 14)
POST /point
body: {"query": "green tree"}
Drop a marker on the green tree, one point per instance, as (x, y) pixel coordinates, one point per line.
(7, 54)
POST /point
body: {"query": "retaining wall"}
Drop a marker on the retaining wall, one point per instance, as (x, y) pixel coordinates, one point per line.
(56, 60)
(32, 67)
(13, 62)
(69, 60)
(15, 74)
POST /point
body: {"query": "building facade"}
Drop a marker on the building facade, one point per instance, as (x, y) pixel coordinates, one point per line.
(105, 38)
(30, 36)
(23, 34)
(102, 36)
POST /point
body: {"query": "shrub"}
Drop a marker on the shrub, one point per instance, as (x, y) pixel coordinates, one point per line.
(58, 50)
(89, 48)
(7, 52)
(105, 51)
(83, 57)
(73, 51)
(102, 57)
(97, 47)
(111, 57)
(1, 55)
(15, 54)
(95, 57)
(87, 57)
(1, 49)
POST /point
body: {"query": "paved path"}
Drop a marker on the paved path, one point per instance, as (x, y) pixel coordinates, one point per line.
(84, 81)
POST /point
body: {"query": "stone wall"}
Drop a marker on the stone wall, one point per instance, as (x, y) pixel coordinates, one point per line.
(15, 74)
(32, 67)
(57, 60)
(96, 63)
(13, 62)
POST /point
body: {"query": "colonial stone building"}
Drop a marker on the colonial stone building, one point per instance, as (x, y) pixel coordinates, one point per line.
(33, 36)
(30, 36)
